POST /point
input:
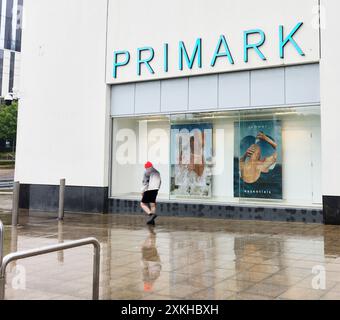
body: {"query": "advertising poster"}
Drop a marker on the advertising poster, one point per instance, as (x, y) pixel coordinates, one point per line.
(191, 158)
(258, 159)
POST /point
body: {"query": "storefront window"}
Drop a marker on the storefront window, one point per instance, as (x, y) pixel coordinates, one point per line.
(248, 156)
(134, 142)
(278, 156)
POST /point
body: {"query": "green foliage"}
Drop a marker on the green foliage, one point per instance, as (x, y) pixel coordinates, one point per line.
(8, 121)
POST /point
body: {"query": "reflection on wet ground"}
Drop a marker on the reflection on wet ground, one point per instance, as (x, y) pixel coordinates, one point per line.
(181, 258)
(5, 201)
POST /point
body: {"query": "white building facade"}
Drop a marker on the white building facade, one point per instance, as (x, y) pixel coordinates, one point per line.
(235, 103)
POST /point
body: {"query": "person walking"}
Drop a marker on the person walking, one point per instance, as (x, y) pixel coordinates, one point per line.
(151, 185)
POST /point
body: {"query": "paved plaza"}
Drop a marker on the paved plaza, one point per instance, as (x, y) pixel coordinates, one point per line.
(181, 258)
(6, 199)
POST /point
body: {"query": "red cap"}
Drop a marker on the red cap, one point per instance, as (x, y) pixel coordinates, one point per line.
(148, 165)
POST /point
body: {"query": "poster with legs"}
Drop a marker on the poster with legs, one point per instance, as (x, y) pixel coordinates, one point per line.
(191, 158)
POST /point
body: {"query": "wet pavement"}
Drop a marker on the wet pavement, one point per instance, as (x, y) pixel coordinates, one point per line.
(181, 258)
(6, 201)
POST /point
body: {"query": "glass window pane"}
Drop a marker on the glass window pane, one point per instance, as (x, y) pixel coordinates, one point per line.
(134, 142)
(279, 156)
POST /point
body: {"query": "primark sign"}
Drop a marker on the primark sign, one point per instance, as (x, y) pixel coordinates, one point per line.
(181, 57)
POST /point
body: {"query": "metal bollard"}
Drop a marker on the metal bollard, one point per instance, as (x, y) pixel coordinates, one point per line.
(61, 199)
(15, 208)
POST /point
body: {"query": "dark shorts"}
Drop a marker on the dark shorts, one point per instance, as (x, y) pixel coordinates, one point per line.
(150, 196)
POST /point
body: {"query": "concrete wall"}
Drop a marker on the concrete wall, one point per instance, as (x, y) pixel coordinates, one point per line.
(64, 111)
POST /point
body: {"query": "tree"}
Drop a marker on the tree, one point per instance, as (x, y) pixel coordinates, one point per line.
(8, 121)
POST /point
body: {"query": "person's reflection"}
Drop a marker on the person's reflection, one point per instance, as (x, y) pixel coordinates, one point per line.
(151, 261)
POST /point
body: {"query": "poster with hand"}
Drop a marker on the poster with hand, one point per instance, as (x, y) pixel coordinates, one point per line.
(258, 159)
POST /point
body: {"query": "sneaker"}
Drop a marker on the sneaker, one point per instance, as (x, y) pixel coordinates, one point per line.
(152, 218)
